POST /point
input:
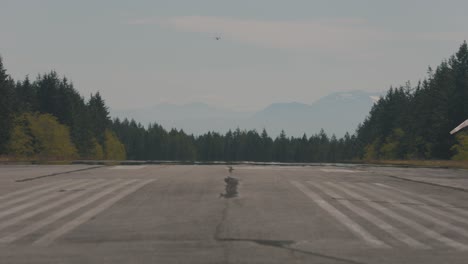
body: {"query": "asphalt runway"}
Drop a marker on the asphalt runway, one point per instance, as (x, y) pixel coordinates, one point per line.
(254, 214)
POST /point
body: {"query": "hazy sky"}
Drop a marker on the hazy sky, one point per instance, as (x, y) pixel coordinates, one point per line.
(140, 53)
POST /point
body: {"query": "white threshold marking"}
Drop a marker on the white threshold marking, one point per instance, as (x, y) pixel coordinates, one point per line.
(50, 188)
(345, 220)
(413, 224)
(419, 213)
(27, 190)
(40, 200)
(58, 215)
(397, 234)
(340, 171)
(428, 199)
(15, 220)
(430, 208)
(50, 237)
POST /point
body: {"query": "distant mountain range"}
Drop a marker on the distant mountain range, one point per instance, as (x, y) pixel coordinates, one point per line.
(336, 113)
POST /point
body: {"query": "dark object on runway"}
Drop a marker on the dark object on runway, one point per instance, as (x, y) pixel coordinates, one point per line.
(231, 188)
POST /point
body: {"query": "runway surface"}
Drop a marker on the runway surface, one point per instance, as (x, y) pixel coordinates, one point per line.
(254, 214)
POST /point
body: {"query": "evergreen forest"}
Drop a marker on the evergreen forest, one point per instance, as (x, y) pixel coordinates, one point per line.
(48, 119)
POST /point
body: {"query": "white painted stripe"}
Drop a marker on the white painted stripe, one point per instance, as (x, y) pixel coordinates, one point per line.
(390, 196)
(56, 216)
(54, 186)
(428, 199)
(416, 226)
(41, 199)
(50, 237)
(397, 234)
(128, 167)
(427, 207)
(340, 170)
(345, 220)
(27, 190)
(49, 206)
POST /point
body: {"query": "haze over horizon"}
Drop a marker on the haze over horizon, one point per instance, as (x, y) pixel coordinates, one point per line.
(336, 113)
(143, 53)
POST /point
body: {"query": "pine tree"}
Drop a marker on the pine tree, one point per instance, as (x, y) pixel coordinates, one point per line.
(6, 107)
(26, 96)
(98, 117)
(281, 148)
(267, 146)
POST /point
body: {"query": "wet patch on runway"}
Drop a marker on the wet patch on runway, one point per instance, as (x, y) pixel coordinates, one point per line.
(231, 188)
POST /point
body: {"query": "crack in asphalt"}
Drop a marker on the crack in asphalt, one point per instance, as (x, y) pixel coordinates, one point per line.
(231, 188)
(56, 174)
(218, 228)
(286, 245)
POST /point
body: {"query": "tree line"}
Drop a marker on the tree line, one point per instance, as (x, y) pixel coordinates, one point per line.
(48, 119)
(155, 143)
(414, 122)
